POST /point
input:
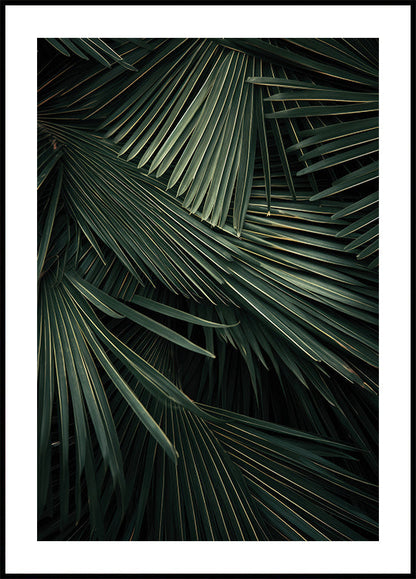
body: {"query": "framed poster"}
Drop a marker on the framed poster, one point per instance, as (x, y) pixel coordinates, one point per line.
(205, 301)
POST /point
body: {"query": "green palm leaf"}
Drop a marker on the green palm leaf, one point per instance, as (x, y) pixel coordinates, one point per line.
(207, 289)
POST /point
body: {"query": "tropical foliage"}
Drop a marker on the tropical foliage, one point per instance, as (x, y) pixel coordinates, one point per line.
(207, 289)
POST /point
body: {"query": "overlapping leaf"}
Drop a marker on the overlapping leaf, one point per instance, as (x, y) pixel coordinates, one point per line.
(207, 337)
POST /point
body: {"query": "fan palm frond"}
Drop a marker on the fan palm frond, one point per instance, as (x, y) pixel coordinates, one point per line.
(207, 289)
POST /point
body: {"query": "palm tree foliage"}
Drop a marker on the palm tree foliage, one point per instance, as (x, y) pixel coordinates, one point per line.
(207, 289)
